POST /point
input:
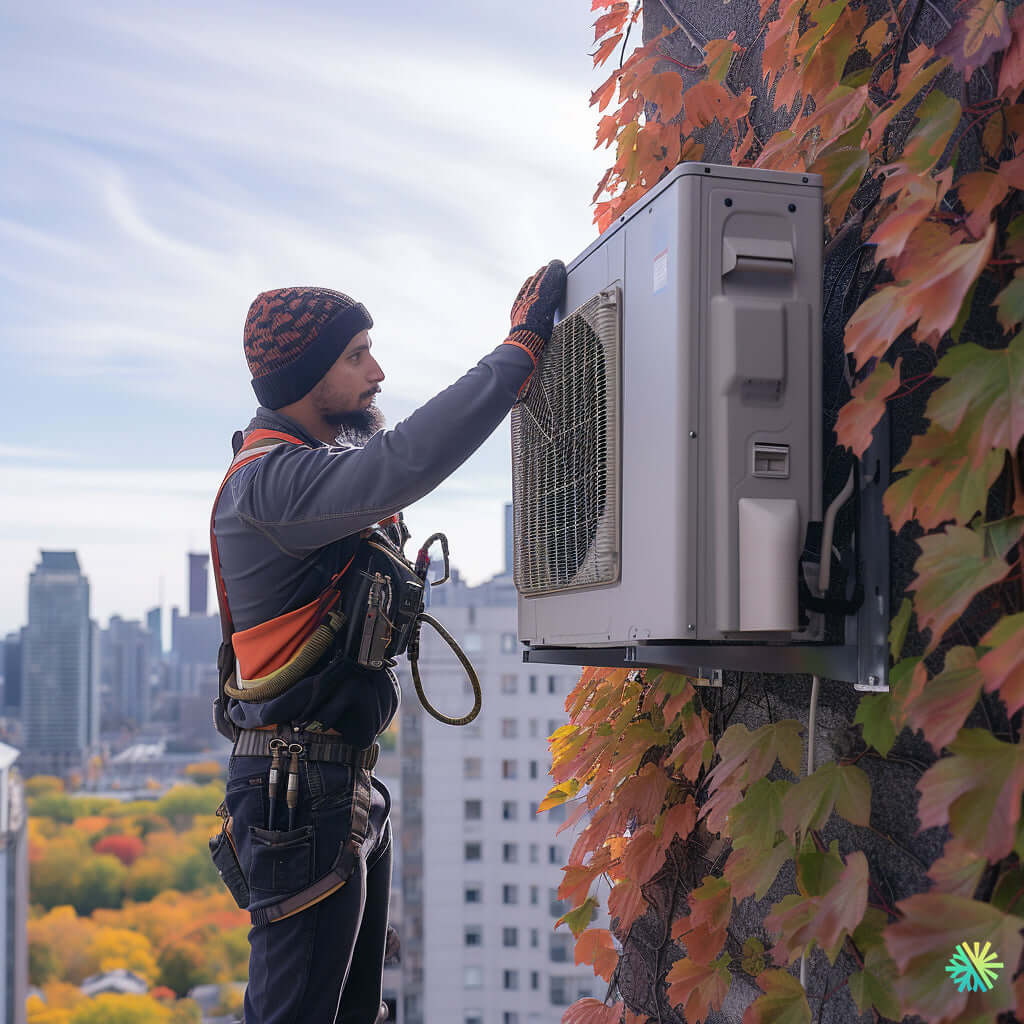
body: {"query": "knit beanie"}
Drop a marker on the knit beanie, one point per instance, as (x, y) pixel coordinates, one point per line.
(293, 336)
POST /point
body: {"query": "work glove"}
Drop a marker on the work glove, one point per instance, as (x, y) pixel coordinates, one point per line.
(533, 312)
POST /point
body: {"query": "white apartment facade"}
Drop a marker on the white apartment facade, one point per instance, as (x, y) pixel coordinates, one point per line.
(480, 946)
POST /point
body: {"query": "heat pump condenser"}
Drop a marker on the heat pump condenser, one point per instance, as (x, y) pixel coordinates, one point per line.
(667, 457)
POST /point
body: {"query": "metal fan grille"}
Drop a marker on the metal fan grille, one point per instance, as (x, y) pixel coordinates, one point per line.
(565, 456)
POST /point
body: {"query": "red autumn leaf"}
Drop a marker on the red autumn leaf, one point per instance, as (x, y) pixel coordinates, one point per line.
(946, 478)
(981, 192)
(1002, 666)
(953, 567)
(626, 902)
(679, 820)
(707, 101)
(612, 21)
(694, 750)
(891, 235)
(703, 930)
(1013, 170)
(596, 947)
(977, 791)
(784, 1001)
(913, 77)
(932, 303)
(958, 871)
(127, 849)
(665, 91)
(985, 396)
(607, 129)
(933, 925)
(698, 989)
(1011, 74)
(606, 49)
(866, 407)
(603, 94)
(947, 699)
(644, 794)
(643, 856)
(719, 55)
(592, 1011)
(825, 67)
(983, 30)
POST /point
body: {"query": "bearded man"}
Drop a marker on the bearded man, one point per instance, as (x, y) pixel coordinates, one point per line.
(314, 869)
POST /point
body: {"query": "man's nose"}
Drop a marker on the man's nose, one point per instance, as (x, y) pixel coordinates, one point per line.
(376, 373)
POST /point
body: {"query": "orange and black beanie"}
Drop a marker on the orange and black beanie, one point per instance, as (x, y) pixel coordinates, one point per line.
(293, 337)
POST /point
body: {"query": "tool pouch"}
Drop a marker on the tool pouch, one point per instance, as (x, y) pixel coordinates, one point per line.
(225, 860)
(381, 600)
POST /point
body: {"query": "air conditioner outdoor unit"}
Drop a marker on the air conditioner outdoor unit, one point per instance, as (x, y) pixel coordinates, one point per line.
(667, 458)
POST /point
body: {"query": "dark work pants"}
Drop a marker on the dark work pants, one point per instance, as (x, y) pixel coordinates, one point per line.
(322, 965)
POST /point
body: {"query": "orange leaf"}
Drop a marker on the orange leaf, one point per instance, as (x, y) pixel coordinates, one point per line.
(698, 989)
(1011, 74)
(866, 407)
(914, 76)
(1003, 665)
(606, 49)
(644, 855)
(644, 794)
(592, 1011)
(981, 192)
(626, 902)
(612, 21)
(603, 94)
(891, 235)
(665, 91)
(703, 931)
(597, 947)
(947, 699)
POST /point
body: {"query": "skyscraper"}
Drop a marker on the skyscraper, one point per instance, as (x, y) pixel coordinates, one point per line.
(125, 672)
(13, 891)
(57, 668)
(12, 676)
(155, 625)
(198, 582)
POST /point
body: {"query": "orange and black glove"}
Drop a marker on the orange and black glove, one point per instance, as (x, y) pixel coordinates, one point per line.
(533, 312)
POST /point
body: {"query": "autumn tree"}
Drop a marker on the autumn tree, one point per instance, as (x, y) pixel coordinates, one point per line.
(727, 868)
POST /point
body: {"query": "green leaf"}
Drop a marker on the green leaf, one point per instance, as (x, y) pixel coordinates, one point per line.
(868, 934)
(751, 871)
(874, 986)
(1008, 895)
(898, 629)
(842, 165)
(783, 1002)
(951, 570)
(1000, 535)
(985, 394)
(809, 803)
(757, 818)
(977, 792)
(937, 118)
(1002, 664)
(818, 870)
(875, 720)
(947, 699)
(921, 943)
(964, 315)
(754, 960)
(578, 919)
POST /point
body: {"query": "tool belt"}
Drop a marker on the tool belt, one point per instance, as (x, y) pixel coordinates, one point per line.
(318, 746)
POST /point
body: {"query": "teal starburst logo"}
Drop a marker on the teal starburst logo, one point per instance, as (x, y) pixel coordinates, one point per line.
(973, 967)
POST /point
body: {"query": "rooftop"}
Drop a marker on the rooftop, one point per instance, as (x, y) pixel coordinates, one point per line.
(59, 561)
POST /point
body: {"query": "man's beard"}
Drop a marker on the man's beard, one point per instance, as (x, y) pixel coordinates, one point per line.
(356, 427)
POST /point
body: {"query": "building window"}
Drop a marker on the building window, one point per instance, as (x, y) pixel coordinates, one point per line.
(472, 1016)
(534, 853)
(533, 769)
(509, 728)
(509, 643)
(553, 726)
(508, 769)
(473, 935)
(472, 810)
(510, 1017)
(473, 977)
(473, 851)
(559, 991)
(509, 810)
(554, 855)
(534, 728)
(509, 683)
(559, 950)
(510, 936)
(534, 937)
(534, 896)
(510, 895)
(472, 768)
(472, 894)
(552, 688)
(533, 684)
(534, 806)
(509, 853)
(510, 980)
(534, 979)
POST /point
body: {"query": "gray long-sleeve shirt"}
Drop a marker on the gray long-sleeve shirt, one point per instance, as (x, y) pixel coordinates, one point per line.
(286, 523)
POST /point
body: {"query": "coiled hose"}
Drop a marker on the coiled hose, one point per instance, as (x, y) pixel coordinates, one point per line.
(414, 664)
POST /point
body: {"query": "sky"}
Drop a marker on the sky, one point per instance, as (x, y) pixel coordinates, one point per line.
(165, 163)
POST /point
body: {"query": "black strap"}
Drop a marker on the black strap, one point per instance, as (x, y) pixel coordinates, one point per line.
(319, 747)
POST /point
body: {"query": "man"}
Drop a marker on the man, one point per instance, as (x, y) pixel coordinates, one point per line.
(316, 874)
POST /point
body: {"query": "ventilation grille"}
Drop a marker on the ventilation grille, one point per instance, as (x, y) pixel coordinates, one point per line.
(565, 456)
